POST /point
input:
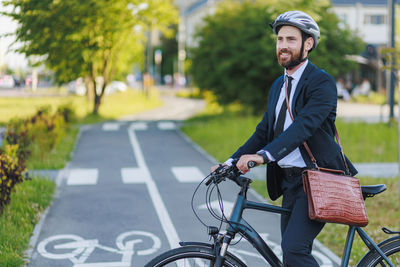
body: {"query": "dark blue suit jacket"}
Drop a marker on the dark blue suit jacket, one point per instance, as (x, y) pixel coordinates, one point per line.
(314, 110)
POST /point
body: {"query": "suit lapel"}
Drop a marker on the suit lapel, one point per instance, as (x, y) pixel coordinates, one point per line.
(303, 79)
(272, 104)
(276, 94)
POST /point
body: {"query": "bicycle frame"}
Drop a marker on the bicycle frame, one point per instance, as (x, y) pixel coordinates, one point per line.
(239, 225)
(367, 241)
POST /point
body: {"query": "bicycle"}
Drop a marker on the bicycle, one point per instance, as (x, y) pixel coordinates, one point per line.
(216, 254)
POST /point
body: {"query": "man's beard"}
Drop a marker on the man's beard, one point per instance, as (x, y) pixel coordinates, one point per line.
(293, 60)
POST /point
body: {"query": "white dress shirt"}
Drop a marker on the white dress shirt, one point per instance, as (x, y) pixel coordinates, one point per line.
(294, 158)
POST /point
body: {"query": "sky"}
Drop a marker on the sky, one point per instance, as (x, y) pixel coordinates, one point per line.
(12, 59)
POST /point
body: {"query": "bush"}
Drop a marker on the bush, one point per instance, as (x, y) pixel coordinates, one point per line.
(46, 131)
(35, 136)
(17, 133)
(12, 171)
(67, 112)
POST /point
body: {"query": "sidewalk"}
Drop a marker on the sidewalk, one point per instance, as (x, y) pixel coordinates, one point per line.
(174, 108)
(364, 112)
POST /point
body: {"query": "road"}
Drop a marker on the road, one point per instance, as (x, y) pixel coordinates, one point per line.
(125, 197)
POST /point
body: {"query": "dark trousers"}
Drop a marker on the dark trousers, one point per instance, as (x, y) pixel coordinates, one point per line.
(298, 231)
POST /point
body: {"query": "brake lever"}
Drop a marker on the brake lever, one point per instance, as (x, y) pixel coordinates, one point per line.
(218, 175)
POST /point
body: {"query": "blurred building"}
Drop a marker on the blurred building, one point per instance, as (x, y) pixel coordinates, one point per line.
(192, 13)
(368, 17)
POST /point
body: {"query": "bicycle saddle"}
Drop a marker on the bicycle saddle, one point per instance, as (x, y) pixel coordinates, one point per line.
(372, 190)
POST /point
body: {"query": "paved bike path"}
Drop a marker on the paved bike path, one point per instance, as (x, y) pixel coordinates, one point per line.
(125, 197)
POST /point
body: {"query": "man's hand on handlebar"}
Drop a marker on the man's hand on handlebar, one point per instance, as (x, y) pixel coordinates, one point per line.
(243, 163)
(215, 167)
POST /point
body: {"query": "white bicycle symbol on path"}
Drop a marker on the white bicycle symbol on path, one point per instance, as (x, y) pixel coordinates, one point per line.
(77, 250)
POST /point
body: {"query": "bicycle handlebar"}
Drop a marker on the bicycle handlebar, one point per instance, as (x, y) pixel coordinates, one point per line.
(230, 172)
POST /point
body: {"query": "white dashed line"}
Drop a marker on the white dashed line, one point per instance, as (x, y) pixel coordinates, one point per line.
(134, 175)
(111, 126)
(82, 176)
(187, 174)
(166, 125)
(139, 126)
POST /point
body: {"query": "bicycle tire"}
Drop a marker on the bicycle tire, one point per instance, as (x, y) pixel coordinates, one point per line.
(390, 249)
(194, 254)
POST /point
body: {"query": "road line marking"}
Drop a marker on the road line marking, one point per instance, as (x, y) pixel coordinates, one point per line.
(166, 125)
(187, 174)
(104, 264)
(163, 216)
(82, 176)
(139, 126)
(111, 126)
(134, 175)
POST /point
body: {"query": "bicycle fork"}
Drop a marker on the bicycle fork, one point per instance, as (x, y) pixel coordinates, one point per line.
(221, 249)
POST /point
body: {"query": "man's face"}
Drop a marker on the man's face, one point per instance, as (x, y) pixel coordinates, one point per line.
(288, 45)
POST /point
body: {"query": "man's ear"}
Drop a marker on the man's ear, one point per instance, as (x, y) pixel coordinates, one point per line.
(309, 44)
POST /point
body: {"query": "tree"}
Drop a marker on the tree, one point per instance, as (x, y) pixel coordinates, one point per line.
(91, 38)
(235, 57)
(232, 57)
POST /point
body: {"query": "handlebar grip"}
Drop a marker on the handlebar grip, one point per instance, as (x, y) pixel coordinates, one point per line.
(251, 164)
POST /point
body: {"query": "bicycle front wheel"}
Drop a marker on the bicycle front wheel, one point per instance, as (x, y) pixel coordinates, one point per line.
(194, 256)
(391, 250)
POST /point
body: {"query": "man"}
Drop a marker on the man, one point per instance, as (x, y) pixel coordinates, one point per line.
(278, 141)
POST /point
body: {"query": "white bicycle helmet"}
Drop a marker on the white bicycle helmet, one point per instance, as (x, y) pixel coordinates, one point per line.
(299, 20)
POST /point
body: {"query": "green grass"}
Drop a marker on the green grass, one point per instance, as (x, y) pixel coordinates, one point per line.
(383, 211)
(112, 107)
(20, 217)
(222, 133)
(58, 156)
(363, 142)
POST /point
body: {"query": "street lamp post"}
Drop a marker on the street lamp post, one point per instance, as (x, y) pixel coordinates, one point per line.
(392, 9)
(181, 43)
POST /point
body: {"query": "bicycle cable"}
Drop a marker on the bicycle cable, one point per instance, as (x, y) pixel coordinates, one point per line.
(222, 219)
(192, 201)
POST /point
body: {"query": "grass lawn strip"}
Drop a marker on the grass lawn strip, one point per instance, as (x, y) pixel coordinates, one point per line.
(19, 218)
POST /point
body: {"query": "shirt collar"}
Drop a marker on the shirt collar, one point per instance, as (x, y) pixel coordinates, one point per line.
(297, 74)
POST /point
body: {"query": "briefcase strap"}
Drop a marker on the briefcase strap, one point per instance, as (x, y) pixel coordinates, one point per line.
(314, 161)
